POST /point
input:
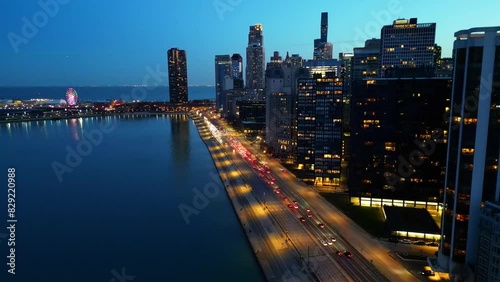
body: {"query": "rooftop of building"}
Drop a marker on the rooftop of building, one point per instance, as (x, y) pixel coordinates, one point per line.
(476, 32)
(410, 219)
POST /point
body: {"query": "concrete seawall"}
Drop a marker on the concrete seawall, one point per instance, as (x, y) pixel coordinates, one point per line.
(92, 115)
(258, 227)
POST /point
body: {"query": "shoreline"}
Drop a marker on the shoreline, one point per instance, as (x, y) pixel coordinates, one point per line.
(231, 194)
(90, 116)
(243, 206)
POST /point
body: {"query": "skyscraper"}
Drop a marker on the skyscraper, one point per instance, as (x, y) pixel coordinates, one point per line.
(390, 118)
(319, 128)
(281, 97)
(223, 66)
(407, 48)
(488, 268)
(366, 60)
(237, 66)
(177, 76)
(472, 174)
(255, 70)
(323, 49)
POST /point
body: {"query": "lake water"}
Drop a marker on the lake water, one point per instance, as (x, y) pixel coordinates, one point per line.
(112, 210)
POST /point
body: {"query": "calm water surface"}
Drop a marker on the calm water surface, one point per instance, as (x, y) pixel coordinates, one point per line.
(117, 208)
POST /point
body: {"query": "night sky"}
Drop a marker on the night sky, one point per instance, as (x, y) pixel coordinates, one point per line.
(96, 42)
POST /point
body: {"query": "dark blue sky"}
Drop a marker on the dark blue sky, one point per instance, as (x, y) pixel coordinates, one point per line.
(98, 42)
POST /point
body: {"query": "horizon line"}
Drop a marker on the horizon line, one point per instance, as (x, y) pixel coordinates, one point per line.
(126, 85)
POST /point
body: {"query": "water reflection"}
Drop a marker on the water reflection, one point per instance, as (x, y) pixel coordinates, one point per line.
(74, 128)
(180, 149)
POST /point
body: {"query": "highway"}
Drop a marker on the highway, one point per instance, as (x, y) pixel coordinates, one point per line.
(278, 261)
(306, 237)
(369, 253)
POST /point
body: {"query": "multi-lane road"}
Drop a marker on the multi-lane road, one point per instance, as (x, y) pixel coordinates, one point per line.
(328, 261)
(369, 253)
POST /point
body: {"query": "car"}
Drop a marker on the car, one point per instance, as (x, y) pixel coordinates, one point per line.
(273, 179)
(277, 191)
(302, 219)
(428, 273)
(329, 242)
(324, 243)
(333, 239)
(348, 254)
(295, 202)
(421, 243)
(283, 170)
(308, 210)
(295, 206)
(433, 244)
(321, 225)
(261, 175)
(405, 241)
(309, 214)
(290, 206)
(339, 253)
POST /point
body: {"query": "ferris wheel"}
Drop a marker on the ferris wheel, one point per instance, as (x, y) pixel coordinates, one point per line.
(71, 96)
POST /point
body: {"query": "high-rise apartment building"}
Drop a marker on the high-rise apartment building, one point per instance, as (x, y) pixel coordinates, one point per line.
(472, 174)
(366, 60)
(177, 76)
(255, 70)
(281, 98)
(223, 69)
(319, 128)
(407, 48)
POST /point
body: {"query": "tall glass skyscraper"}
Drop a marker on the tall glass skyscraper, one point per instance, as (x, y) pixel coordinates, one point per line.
(255, 71)
(472, 174)
(222, 70)
(407, 45)
(319, 128)
(323, 50)
(177, 76)
(237, 66)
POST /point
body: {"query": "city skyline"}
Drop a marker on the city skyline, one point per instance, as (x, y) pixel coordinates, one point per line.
(120, 53)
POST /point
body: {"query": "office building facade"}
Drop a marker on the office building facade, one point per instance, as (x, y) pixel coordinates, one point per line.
(281, 98)
(223, 69)
(177, 76)
(391, 119)
(366, 60)
(255, 69)
(488, 258)
(407, 48)
(319, 129)
(472, 175)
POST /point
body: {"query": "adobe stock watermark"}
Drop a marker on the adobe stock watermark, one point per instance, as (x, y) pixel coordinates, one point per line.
(427, 147)
(223, 6)
(201, 198)
(308, 266)
(83, 148)
(31, 27)
(372, 28)
(121, 276)
(95, 137)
